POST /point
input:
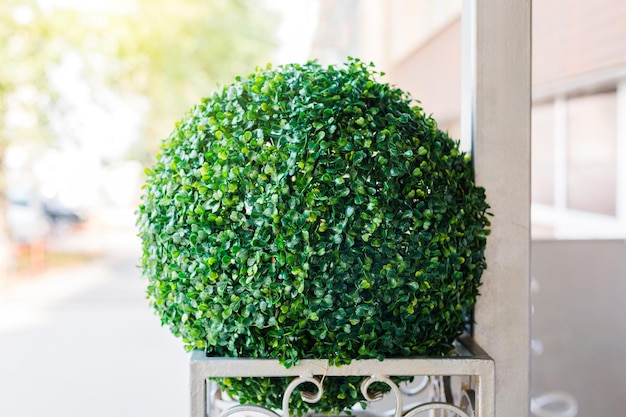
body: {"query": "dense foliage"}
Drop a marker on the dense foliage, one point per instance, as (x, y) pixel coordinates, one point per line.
(311, 212)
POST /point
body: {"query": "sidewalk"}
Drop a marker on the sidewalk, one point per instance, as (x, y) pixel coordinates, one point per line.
(81, 341)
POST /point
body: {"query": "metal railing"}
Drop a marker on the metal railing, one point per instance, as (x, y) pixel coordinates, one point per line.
(461, 384)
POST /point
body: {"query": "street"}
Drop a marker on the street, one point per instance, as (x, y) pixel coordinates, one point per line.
(81, 341)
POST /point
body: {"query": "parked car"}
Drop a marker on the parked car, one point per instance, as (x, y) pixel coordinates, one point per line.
(31, 218)
(57, 213)
(26, 221)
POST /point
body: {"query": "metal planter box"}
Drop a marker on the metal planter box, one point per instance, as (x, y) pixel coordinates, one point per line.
(460, 384)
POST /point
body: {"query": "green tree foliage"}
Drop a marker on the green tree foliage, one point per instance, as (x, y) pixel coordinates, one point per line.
(24, 91)
(167, 51)
(25, 55)
(172, 51)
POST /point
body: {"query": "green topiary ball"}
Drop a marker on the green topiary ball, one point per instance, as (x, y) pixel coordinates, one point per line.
(311, 212)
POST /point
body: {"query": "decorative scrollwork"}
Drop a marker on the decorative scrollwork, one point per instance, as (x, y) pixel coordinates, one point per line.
(441, 397)
(419, 388)
(467, 402)
(247, 408)
(309, 397)
(441, 389)
(377, 395)
(459, 386)
(436, 406)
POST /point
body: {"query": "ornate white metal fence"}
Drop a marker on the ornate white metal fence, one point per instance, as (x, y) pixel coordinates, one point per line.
(461, 384)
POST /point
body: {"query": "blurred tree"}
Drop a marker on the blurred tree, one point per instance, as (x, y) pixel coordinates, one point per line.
(22, 75)
(169, 53)
(174, 52)
(23, 89)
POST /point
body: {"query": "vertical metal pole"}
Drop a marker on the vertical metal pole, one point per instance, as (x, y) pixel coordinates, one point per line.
(485, 393)
(497, 103)
(198, 390)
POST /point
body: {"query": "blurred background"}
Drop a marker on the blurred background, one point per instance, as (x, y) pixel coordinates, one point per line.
(88, 90)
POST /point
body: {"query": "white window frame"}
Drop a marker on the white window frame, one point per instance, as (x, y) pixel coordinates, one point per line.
(565, 222)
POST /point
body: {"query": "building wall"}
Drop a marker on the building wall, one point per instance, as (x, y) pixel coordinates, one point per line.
(390, 30)
(579, 68)
(579, 323)
(432, 73)
(574, 37)
(579, 111)
(579, 93)
(571, 38)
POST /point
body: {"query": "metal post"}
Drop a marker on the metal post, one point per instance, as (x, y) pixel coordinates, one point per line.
(198, 391)
(497, 78)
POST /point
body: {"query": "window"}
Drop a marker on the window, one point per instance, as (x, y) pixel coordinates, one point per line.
(592, 153)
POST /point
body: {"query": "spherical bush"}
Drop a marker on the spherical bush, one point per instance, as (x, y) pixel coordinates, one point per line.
(311, 212)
